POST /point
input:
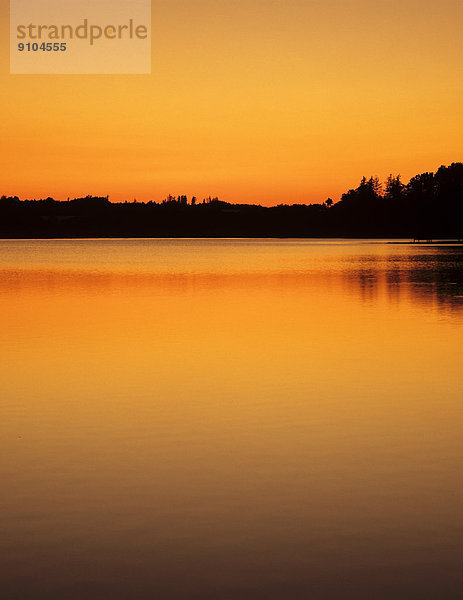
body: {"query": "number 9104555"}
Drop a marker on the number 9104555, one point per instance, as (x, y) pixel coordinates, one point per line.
(43, 47)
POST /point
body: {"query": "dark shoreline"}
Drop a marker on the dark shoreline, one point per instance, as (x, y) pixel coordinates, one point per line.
(386, 240)
(428, 208)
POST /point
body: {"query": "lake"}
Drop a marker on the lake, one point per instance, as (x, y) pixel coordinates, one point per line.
(231, 419)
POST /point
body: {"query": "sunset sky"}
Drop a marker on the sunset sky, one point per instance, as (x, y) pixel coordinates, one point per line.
(260, 101)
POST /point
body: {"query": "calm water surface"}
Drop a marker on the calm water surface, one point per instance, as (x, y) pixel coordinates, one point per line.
(231, 419)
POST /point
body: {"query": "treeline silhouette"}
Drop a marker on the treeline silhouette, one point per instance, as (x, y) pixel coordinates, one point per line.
(429, 206)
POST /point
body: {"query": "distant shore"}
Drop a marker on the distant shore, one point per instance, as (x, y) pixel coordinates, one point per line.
(427, 210)
(392, 241)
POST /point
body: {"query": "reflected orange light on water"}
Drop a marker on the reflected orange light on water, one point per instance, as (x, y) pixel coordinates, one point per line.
(256, 428)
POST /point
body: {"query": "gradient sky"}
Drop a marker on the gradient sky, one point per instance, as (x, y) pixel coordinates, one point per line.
(261, 101)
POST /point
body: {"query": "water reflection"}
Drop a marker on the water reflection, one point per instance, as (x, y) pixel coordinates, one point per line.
(427, 279)
(236, 420)
(431, 279)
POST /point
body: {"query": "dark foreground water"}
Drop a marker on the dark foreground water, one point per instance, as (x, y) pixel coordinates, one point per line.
(231, 419)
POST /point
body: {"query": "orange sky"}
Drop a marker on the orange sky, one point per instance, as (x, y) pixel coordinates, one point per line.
(261, 101)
